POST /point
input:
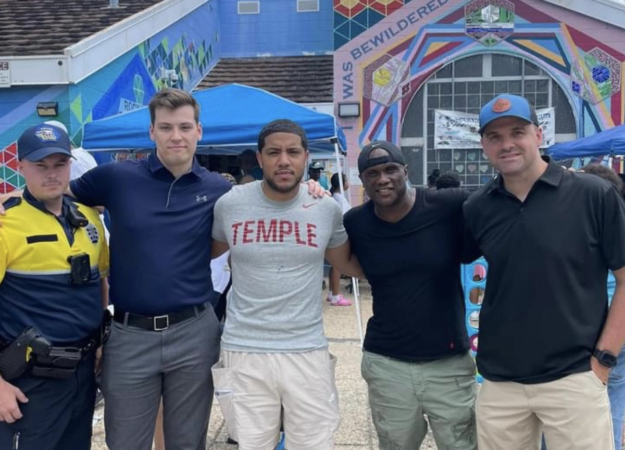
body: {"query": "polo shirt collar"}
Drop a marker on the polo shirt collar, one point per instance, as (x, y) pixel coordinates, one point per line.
(551, 176)
(30, 199)
(155, 165)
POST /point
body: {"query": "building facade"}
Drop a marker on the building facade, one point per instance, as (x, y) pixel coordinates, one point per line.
(420, 70)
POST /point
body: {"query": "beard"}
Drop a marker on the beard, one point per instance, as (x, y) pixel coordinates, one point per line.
(284, 189)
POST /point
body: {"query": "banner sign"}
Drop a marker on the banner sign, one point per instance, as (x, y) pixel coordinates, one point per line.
(454, 129)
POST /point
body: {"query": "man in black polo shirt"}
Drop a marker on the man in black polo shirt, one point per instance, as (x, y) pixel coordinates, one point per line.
(549, 236)
(416, 359)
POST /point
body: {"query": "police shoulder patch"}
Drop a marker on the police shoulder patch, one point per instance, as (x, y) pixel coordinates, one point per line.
(11, 202)
(92, 232)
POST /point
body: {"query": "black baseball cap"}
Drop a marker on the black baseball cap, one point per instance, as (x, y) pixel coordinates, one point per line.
(394, 155)
(41, 141)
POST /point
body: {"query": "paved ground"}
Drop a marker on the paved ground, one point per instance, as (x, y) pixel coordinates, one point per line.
(356, 431)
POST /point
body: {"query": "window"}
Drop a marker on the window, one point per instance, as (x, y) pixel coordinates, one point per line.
(465, 85)
(248, 7)
(307, 5)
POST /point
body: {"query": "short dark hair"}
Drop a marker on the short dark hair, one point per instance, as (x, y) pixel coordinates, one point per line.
(334, 182)
(449, 179)
(173, 99)
(433, 177)
(282, 126)
(606, 173)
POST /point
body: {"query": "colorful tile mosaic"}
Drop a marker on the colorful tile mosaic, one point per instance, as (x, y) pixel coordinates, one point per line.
(489, 21)
(185, 58)
(352, 17)
(384, 80)
(10, 178)
(595, 76)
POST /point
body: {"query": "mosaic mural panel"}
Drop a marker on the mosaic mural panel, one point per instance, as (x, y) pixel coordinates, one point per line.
(595, 76)
(383, 80)
(489, 21)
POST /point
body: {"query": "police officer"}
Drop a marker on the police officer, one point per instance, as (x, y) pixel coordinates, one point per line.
(53, 261)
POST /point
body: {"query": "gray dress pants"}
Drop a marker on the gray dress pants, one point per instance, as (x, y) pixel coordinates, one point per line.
(140, 367)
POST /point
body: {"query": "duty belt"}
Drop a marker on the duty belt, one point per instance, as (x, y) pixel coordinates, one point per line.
(48, 361)
(158, 323)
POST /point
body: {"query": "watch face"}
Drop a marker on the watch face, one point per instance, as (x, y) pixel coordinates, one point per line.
(605, 358)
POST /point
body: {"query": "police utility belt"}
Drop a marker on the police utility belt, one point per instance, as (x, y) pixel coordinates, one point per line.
(32, 353)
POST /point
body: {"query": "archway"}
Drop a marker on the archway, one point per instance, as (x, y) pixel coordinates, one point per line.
(465, 85)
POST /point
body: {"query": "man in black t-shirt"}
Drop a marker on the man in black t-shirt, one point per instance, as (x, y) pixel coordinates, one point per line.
(547, 341)
(416, 361)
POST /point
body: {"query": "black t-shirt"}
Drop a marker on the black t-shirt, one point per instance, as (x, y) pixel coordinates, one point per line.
(548, 259)
(413, 267)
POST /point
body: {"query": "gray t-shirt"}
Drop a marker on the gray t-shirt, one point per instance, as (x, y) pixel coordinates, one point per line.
(277, 251)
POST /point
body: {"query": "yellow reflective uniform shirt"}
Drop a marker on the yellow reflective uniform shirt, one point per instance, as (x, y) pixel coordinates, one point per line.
(35, 282)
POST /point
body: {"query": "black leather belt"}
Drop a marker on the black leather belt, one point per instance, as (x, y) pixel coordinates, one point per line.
(158, 323)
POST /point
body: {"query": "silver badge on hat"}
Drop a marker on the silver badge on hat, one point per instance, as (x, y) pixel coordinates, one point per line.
(46, 134)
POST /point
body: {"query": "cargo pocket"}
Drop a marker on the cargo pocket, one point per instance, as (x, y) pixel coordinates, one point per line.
(224, 393)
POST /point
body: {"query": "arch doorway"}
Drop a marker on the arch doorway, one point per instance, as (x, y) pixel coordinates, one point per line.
(466, 85)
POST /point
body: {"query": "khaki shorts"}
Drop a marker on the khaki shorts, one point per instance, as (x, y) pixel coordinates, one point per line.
(258, 391)
(573, 413)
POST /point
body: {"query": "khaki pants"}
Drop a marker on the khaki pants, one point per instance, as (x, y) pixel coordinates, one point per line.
(253, 389)
(573, 413)
(402, 393)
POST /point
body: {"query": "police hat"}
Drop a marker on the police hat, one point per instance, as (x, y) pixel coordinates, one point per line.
(41, 141)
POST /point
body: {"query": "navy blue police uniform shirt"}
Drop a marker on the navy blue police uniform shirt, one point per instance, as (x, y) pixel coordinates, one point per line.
(161, 231)
(413, 267)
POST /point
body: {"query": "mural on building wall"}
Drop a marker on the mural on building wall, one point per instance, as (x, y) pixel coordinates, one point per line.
(385, 63)
(489, 21)
(595, 75)
(179, 56)
(18, 111)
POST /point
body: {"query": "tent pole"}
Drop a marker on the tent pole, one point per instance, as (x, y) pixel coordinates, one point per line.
(354, 279)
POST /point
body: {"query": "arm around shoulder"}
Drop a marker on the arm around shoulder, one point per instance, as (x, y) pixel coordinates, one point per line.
(344, 261)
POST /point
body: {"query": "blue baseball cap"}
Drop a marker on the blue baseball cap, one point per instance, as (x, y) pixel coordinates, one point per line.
(507, 105)
(41, 141)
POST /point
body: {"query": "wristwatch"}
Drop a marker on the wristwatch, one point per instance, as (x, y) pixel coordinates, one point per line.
(605, 358)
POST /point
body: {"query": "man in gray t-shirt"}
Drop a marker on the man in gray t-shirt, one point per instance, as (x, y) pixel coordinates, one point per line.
(275, 355)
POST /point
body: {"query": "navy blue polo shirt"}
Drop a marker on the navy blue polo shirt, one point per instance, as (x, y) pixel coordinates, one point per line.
(160, 232)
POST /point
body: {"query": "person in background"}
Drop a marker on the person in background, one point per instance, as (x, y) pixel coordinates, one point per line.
(433, 177)
(249, 165)
(616, 380)
(449, 179)
(334, 292)
(83, 160)
(246, 179)
(314, 173)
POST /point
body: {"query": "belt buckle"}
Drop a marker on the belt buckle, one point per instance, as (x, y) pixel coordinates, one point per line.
(156, 324)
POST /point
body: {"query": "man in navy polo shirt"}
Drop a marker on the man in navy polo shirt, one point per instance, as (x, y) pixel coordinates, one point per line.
(165, 336)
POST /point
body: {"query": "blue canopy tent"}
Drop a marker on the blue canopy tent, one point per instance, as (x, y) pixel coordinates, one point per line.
(232, 116)
(608, 142)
